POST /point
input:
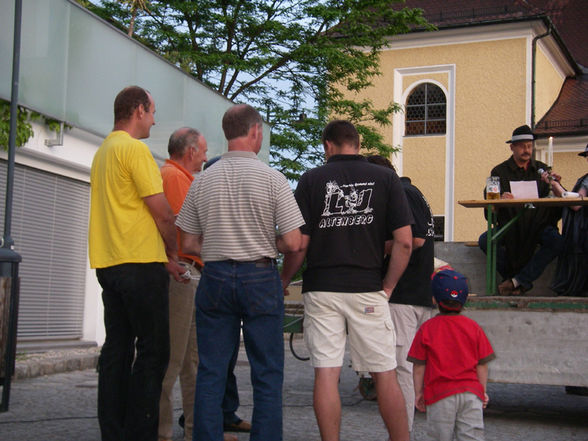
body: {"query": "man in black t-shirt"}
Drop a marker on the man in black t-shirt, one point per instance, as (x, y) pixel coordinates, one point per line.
(410, 302)
(351, 208)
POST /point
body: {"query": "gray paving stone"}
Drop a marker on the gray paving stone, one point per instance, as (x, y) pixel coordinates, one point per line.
(62, 407)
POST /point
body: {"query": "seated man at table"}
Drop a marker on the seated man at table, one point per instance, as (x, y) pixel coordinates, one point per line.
(518, 259)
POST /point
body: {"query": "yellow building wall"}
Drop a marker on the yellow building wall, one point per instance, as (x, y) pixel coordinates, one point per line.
(491, 87)
(549, 83)
(409, 80)
(421, 153)
(427, 153)
(490, 98)
(573, 167)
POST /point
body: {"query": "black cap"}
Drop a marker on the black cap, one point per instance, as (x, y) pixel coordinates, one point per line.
(522, 133)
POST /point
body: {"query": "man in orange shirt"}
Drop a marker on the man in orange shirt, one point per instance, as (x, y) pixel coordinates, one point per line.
(187, 150)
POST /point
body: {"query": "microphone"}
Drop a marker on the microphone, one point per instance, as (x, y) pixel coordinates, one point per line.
(541, 171)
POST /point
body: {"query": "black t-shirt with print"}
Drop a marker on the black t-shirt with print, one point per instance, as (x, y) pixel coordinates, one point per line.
(351, 207)
(414, 287)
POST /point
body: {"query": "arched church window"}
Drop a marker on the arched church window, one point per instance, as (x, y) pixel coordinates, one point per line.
(425, 111)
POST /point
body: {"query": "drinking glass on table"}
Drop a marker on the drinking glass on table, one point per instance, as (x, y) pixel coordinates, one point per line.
(493, 187)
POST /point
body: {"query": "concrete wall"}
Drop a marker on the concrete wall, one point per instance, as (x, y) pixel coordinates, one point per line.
(536, 347)
(537, 341)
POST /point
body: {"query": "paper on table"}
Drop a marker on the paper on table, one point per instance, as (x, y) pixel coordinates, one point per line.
(524, 189)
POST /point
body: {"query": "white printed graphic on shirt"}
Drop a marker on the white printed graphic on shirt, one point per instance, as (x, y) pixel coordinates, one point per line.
(431, 223)
(347, 205)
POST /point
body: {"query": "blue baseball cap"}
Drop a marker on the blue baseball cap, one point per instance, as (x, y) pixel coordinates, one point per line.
(450, 285)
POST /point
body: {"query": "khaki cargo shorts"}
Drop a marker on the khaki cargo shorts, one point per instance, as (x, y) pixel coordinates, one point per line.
(366, 318)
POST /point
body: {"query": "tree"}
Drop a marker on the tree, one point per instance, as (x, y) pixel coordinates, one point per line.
(136, 6)
(299, 62)
(24, 128)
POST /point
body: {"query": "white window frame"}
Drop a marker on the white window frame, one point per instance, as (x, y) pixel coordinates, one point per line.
(400, 96)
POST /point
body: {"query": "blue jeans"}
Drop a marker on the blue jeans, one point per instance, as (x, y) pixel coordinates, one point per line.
(231, 398)
(230, 292)
(551, 245)
(134, 357)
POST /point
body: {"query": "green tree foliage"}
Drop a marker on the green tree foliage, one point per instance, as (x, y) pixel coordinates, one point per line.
(24, 128)
(299, 61)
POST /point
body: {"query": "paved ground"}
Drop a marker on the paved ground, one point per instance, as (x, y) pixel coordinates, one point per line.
(63, 407)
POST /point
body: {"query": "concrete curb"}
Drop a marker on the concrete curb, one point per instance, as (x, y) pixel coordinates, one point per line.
(36, 364)
(54, 362)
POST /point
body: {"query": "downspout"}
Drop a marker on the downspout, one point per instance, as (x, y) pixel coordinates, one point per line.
(533, 71)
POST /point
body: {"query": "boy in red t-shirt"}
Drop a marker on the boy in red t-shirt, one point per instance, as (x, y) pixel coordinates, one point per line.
(450, 353)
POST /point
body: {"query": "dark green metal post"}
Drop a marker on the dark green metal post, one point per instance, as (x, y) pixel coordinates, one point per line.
(9, 259)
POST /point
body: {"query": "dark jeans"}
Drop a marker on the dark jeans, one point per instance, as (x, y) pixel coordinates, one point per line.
(228, 293)
(231, 398)
(135, 353)
(551, 245)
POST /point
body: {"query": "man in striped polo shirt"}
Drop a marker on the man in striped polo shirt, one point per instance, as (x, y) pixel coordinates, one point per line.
(229, 218)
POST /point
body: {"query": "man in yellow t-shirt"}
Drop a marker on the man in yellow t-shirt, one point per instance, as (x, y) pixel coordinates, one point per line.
(132, 241)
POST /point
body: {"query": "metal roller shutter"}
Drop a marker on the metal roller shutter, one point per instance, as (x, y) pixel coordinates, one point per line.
(49, 229)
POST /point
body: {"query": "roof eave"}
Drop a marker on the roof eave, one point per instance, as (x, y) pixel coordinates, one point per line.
(546, 20)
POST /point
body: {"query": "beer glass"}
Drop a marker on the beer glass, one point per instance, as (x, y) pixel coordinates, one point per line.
(493, 187)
